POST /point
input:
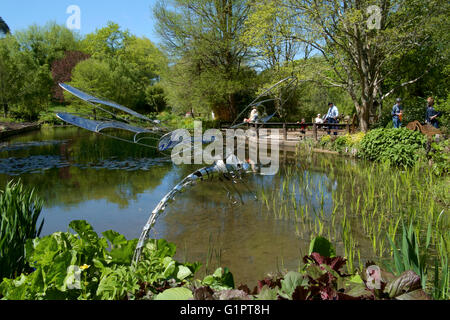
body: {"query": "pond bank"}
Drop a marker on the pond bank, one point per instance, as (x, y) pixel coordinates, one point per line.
(8, 129)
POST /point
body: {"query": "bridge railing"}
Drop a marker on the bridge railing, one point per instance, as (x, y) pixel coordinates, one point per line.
(346, 127)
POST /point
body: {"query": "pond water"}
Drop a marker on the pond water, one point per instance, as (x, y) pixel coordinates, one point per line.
(115, 186)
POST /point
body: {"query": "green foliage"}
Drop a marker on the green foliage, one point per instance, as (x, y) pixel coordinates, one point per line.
(321, 278)
(209, 70)
(325, 140)
(47, 43)
(408, 256)
(441, 280)
(123, 68)
(24, 83)
(85, 266)
(19, 212)
(221, 279)
(439, 155)
(345, 142)
(399, 147)
(175, 121)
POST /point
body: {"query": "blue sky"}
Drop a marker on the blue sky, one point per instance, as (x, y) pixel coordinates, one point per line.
(134, 15)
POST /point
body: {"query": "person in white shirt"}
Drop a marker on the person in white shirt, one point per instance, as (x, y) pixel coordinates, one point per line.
(318, 120)
(331, 116)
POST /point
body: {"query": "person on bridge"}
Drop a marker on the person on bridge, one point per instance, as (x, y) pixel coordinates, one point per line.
(254, 115)
(319, 119)
(303, 127)
(331, 117)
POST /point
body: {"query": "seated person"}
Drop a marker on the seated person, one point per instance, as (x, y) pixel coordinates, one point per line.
(253, 116)
(319, 119)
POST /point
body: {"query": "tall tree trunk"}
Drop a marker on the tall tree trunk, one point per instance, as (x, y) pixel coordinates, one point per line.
(363, 115)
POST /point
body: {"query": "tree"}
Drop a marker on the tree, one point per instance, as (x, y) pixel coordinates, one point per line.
(48, 43)
(8, 73)
(107, 41)
(123, 68)
(24, 84)
(40, 47)
(356, 53)
(266, 30)
(202, 39)
(62, 71)
(4, 28)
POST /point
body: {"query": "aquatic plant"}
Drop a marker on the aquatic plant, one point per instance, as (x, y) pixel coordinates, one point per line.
(369, 203)
(19, 213)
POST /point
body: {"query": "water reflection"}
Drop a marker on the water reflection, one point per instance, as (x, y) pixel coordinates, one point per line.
(115, 185)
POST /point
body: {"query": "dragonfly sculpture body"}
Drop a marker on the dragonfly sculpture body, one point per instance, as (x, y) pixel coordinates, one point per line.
(151, 133)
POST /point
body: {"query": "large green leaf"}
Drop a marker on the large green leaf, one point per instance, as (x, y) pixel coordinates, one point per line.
(169, 265)
(291, 281)
(175, 294)
(123, 253)
(322, 246)
(115, 238)
(84, 230)
(183, 272)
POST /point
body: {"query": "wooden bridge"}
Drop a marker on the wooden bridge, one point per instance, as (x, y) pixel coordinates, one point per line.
(293, 130)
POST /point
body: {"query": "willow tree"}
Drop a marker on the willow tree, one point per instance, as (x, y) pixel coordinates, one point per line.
(202, 39)
(358, 39)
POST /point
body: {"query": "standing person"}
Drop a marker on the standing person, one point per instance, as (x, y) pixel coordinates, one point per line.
(303, 127)
(432, 114)
(397, 113)
(331, 116)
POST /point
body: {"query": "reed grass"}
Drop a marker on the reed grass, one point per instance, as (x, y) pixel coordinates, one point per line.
(19, 213)
(366, 209)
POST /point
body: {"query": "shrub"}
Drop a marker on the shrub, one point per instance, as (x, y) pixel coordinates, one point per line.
(325, 140)
(398, 146)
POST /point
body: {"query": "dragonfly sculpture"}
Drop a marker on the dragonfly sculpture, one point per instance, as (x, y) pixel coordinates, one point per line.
(108, 118)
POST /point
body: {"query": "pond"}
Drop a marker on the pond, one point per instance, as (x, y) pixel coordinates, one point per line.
(115, 186)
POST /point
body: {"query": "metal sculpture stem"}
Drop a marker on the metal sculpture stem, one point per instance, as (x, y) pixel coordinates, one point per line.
(230, 169)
